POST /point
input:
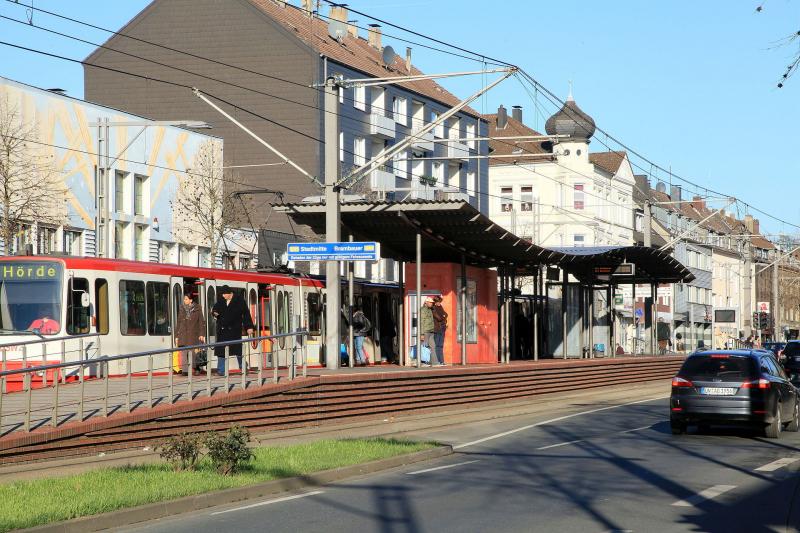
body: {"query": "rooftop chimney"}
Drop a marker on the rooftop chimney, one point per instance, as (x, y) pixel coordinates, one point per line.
(748, 223)
(516, 112)
(408, 58)
(756, 226)
(502, 118)
(698, 203)
(374, 36)
(675, 193)
(338, 12)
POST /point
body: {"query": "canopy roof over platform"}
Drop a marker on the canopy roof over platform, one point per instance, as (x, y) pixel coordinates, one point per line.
(651, 265)
(454, 228)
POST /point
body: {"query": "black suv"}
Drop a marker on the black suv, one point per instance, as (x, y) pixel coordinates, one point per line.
(791, 359)
(734, 387)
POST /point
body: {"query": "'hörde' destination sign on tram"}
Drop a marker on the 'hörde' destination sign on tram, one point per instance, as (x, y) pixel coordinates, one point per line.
(333, 251)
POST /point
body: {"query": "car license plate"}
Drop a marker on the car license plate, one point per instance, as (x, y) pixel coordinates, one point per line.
(718, 391)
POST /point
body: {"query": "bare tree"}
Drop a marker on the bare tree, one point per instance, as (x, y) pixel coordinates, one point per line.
(204, 208)
(31, 188)
(789, 40)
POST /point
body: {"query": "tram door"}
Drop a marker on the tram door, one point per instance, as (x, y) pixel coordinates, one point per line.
(207, 302)
(251, 297)
(176, 301)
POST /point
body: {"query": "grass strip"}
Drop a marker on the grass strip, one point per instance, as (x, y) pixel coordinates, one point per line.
(31, 503)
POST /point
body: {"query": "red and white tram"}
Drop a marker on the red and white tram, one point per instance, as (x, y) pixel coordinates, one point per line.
(132, 306)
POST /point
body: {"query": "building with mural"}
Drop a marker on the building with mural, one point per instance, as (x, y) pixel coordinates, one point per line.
(118, 177)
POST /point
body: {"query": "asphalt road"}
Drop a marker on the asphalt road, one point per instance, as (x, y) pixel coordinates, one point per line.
(609, 468)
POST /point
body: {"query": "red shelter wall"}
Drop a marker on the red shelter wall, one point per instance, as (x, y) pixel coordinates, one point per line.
(442, 278)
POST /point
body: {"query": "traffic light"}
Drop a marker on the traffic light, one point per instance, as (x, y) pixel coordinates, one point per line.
(755, 320)
(762, 320)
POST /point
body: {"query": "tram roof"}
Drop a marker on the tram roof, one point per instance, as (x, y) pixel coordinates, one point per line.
(452, 228)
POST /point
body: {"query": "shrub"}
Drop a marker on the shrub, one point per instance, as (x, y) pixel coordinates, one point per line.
(229, 451)
(182, 451)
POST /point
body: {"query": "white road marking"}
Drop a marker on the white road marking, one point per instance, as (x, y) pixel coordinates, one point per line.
(544, 422)
(268, 502)
(774, 465)
(440, 468)
(708, 494)
(637, 429)
(560, 444)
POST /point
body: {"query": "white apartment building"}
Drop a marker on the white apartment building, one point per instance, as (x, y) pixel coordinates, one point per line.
(556, 192)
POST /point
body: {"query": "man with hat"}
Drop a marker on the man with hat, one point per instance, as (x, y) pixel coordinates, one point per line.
(232, 317)
(427, 327)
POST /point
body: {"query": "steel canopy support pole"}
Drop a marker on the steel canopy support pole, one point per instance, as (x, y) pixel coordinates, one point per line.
(350, 337)
(419, 300)
(591, 321)
(513, 320)
(401, 317)
(463, 297)
(610, 294)
(653, 319)
(535, 310)
(333, 336)
(564, 314)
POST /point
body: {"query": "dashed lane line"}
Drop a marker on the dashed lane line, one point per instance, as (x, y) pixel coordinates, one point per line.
(597, 437)
(779, 463)
(268, 502)
(545, 422)
(708, 494)
(440, 467)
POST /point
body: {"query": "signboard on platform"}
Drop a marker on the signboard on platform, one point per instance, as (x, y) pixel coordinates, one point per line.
(333, 251)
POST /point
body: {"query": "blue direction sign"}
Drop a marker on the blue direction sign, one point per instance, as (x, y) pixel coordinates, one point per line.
(333, 251)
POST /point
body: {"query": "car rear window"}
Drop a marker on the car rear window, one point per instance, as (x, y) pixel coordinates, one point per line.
(792, 348)
(720, 366)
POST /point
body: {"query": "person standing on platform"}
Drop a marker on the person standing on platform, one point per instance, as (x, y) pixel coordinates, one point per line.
(439, 327)
(232, 316)
(426, 330)
(190, 329)
(361, 328)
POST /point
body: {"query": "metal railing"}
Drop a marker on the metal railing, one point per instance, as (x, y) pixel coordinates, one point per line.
(49, 396)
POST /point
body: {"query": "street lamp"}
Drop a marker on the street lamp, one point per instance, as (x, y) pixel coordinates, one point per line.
(104, 164)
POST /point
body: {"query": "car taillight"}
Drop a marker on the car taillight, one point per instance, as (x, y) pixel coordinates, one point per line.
(758, 384)
(681, 382)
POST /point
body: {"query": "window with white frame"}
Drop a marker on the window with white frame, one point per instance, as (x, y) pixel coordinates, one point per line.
(526, 198)
(471, 135)
(45, 240)
(360, 98)
(359, 151)
(577, 196)
(438, 172)
(204, 257)
(438, 130)
(120, 240)
(506, 199)
(400, 109)
(341, 146)
(120, 182)
(472, 184)
(140, 196)
(140, 241)
(72, 242)
(400, 164)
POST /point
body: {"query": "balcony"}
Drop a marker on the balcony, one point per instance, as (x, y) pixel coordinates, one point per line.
(457, 150)
(451, 194)
(424, 143)
(381, 179)
(381, 126)
(423, 193)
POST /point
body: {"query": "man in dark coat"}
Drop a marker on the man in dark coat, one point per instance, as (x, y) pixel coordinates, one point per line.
(232, 316)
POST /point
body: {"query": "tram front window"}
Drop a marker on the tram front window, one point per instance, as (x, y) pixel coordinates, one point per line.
(30, 297)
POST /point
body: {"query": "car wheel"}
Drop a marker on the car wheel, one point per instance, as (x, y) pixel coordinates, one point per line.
(794, 425)
(678, 428)
(773, 430)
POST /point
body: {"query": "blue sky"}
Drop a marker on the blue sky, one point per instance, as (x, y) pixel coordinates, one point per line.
(690, 85)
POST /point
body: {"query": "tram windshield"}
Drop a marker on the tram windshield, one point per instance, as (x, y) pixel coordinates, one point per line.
(30, 297)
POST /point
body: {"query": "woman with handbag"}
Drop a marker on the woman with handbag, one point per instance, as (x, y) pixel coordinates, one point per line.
(189, 330)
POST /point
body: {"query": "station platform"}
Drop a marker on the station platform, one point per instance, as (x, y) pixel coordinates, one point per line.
(116, 420)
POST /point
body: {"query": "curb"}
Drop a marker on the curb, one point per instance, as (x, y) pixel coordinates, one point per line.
(153, 511)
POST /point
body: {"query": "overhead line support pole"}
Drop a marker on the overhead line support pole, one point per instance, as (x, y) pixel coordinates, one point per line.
(333, 230)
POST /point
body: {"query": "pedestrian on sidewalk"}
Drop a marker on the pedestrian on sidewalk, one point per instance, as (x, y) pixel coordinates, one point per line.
(233, 317)
(190, 329)
(427, 328)
(361, 328)
(439, 326)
